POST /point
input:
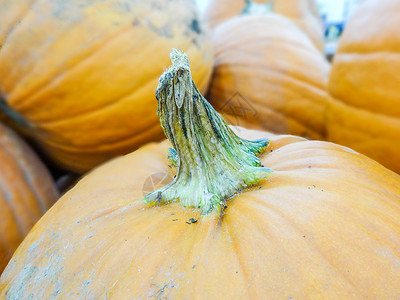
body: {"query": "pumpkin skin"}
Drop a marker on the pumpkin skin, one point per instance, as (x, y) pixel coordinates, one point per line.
(325, 224)
(364, 82)
(82, 75)
(269, 68)
(26, 192)
(304, 13)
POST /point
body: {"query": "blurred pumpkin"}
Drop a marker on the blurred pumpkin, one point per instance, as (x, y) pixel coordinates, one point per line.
(304, 13)
(268, 75)
(365, 83)
(323, 223)
(79, 76)
(27, 191)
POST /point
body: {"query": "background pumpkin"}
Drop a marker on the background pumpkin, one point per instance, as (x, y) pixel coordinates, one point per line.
(365, 83)
(304, 13)
(26, 192)
(324, 222)
(267, 74)
(79, 77)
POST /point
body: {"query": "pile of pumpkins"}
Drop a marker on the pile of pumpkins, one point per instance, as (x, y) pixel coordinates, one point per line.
(77, 96)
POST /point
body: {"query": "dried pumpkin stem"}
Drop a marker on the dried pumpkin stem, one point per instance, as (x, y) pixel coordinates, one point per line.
(212, 162)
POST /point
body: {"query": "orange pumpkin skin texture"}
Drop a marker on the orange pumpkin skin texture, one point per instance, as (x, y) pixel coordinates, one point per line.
(366, 86)
(82, 74)
(26, 192)
(268, 66)
(324, 225)
(304, 13)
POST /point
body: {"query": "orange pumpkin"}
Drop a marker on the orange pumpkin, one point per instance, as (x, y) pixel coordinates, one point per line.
(323, 223)
(26, 192)
(79, 77)
(304, 13)
(267, 75)
(364, 81)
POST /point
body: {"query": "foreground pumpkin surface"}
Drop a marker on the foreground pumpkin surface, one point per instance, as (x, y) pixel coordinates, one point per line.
(316, 220)
(326, 223)
(27, 191)
(79, 76)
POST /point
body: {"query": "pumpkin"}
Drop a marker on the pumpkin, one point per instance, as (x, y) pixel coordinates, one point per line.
(267, 75)
(304, 13)
(78, 77)
(26, 192)
(365, 84)
(308, 219)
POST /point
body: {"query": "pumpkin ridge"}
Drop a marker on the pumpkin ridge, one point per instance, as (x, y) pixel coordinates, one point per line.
(295, 77)
(22, 164)
(12, 209)
(261, 107)
(64, 69)
(102, 146)
(289, 115)
(21, 105)
(248, 22)
(234, 245)
(367, 112)
(113, 102)
(310, 243)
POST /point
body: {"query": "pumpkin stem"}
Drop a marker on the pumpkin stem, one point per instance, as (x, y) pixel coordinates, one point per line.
(212, 162)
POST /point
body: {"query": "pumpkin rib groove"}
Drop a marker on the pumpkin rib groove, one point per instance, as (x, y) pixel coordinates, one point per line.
(63, 70)
(11, 208)
(286, 116)
(164, 244)
(83, 54)
(263, 205)
(20, 105)
(297, 82)
(310, 244)
(95, 110)
(384, 218)
(295, 78)
(366, 55)
(96, 50)
(263, 108)
(235, 245)
(294, 45)
(280, 42)
(270, 36)
(365, 109)
(112, 143)
(14, 212)
(19, 167)
(366, 112)
(104, 147)
(110, 104)
(21, 163)
(19, 19)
